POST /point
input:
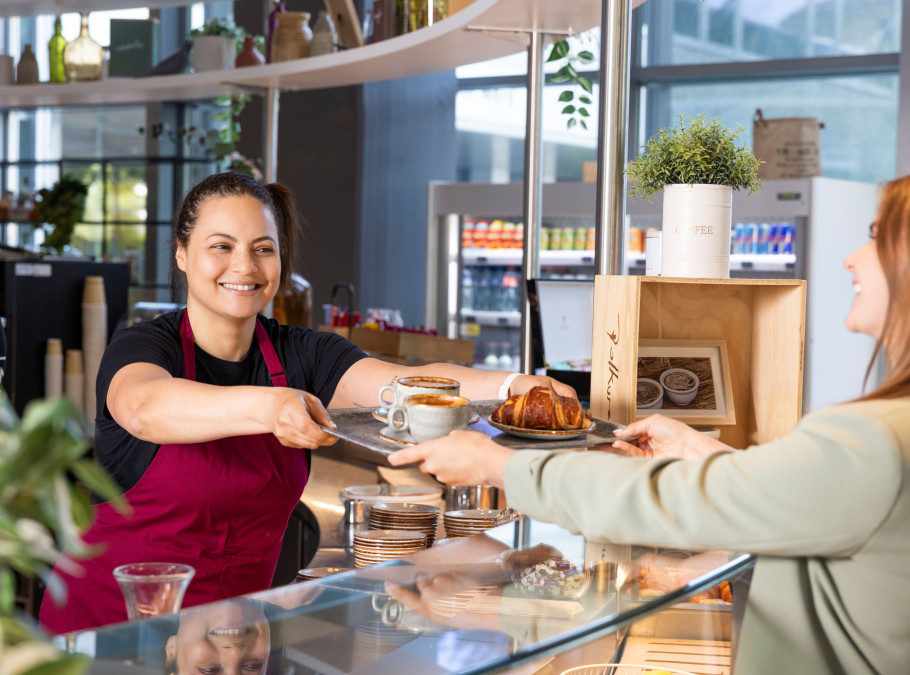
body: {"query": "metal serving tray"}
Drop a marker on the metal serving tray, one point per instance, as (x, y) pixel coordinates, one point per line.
(358, 426)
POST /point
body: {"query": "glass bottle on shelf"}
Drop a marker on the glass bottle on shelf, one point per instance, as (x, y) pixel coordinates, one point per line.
(402, 17)
(55, 47)
(83, 58)
(467, 288)
(323, 35)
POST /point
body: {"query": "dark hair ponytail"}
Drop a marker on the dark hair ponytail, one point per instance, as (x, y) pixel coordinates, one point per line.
(275, 196)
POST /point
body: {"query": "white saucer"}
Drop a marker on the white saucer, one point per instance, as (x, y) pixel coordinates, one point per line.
(382, 414)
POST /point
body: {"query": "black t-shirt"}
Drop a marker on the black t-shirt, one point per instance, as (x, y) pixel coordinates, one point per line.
(313, 361)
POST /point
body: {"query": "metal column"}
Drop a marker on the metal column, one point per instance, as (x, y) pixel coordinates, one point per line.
(532, 188)
(611, 134)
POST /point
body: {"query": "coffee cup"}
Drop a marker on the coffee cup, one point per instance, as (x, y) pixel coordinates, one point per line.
(428, 416)
(409, 386)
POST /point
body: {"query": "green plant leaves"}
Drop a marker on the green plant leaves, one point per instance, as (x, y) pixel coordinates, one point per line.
(702, 152)
(62, 206)
(568, 73)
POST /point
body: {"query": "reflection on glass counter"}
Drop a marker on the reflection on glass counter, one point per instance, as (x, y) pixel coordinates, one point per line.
(522, 593)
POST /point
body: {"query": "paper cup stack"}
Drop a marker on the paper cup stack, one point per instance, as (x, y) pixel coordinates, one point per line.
(471, 521)
(74, 378)
(94, 338)
(375, 546)
(418, 517)
(53, 368)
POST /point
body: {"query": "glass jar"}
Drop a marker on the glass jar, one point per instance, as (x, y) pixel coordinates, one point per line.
(323, 35)
(83, 58)
(292, 38)
(55, 47)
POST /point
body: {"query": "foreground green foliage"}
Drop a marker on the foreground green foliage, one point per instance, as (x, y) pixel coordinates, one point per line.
(576, 106)
(42, 509)
(702, 152)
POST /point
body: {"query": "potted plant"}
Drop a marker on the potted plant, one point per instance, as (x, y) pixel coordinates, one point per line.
(215, 45)
(41, 508)
(61, 206)
(696, 165)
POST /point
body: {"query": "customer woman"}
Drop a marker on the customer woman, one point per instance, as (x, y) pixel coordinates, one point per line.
(203, 412)
(826, 509)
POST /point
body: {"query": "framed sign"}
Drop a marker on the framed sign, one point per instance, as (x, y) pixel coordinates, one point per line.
(688, 380)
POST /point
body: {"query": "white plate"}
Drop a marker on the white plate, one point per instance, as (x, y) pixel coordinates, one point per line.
(542, 434)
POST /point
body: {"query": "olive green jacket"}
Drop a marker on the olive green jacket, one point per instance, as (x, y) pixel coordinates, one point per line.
(826, 509)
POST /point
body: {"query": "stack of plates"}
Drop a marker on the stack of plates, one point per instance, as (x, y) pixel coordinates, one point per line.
(466, 523)
(373, 640)
(375, 546)
(320, 572)
(419, 517)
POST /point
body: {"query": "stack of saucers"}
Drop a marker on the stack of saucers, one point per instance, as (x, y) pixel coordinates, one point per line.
(471, 521)
(418, 517)
(375, 546)
(450, 605)
(320, 572)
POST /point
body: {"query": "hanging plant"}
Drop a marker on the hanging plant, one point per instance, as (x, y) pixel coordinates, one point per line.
(576, 106)
(61, 206)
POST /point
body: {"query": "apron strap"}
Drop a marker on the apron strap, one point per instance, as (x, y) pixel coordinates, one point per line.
(189, 349)
(272, 362)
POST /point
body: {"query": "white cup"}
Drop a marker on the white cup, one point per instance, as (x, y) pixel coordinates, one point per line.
(7, 70)
(428, 416)
(409, 386)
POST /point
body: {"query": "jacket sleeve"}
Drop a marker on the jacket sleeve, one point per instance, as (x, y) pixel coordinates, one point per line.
(822, 490)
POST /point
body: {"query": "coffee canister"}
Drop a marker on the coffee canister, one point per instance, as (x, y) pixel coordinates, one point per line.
(696, 231)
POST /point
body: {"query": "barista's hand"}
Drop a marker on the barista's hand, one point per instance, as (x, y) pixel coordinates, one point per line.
(461, 458)
(661, 436)
(524, 383)
(429, 589)
(295, 418)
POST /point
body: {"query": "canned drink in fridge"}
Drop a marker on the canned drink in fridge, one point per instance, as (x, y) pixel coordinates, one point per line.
(737, 240)
(518, 236)
(774, 239)
(590, 244)
(764, 231)
(788, 234)
(467, 234)
(750, 240)
(546, 238)
(555, 239)
(581, 238)
(568, 239)
(481, 228)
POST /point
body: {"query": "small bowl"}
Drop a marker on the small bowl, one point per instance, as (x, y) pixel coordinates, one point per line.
(553, 578)
(679, 396)
(656, 403)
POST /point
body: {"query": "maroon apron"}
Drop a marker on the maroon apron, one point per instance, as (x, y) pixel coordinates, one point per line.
(221, 506)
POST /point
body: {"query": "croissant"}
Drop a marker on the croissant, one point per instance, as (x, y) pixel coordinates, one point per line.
(541, 408)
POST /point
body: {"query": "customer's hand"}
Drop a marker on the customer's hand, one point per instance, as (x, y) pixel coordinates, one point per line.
(662, 436)
(524, 383)
(461, 458)
(295, 417)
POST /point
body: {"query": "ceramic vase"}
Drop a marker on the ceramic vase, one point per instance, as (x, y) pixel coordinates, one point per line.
(323, 35)
(271, 27)
(292, 38)
(249, 56)
(27, 70)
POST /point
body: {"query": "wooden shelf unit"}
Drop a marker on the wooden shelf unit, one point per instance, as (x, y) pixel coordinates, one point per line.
(763, 322)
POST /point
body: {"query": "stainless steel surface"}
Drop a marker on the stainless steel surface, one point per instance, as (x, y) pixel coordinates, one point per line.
(611, 132)
(471, 497)
(532, 187)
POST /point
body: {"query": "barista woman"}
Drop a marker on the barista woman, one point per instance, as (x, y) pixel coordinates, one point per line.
(826, 509)
(204, 413)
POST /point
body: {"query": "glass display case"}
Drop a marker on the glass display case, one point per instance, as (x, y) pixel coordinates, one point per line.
(791, 229)
(522, 595)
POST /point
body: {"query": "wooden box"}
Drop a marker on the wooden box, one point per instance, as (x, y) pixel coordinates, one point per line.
(408, 348)
(762, 322)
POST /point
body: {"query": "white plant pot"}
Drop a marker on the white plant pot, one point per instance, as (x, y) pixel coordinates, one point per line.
(213, 52)
(696, 231)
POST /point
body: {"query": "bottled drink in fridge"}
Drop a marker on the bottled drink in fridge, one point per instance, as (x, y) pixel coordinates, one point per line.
(467, 288)
(511, 291)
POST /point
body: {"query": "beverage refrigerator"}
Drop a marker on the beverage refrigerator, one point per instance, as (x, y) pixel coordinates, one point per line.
(799, 229)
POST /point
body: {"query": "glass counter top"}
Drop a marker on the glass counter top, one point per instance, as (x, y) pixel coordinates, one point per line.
(515, 594)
